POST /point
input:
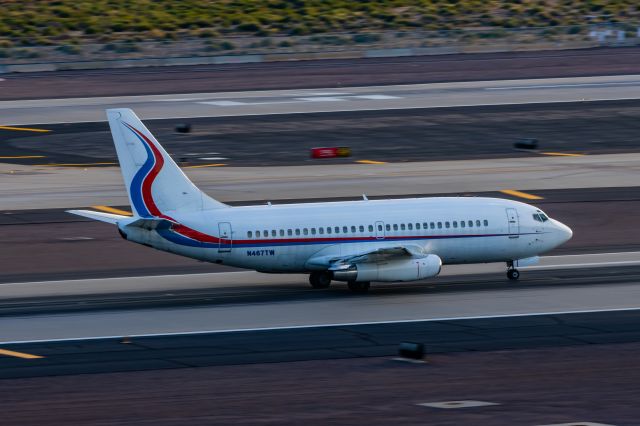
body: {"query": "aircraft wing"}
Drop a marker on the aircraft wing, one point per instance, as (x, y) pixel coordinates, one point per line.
(377, 255)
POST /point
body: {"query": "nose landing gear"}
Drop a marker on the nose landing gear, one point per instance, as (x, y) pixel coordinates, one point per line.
(512, 273)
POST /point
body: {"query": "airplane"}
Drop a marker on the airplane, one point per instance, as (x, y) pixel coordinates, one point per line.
(360, 242)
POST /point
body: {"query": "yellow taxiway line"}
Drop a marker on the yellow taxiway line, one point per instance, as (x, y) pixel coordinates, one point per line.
(562, 154)
(24, 129)
(113, 210)
(200, 166)
(521, 194)
(19, 354)
(16, 157)
(75, 164)
(370, 162)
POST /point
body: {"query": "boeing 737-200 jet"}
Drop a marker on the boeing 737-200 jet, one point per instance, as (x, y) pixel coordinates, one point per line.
(353, 241)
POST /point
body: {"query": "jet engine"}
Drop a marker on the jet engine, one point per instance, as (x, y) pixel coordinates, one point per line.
(394, 270)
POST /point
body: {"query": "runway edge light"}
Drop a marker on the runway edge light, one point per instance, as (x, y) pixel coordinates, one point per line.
(411, 350)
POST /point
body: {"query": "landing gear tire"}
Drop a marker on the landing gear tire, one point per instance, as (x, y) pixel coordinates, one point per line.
(358, 287)
(513, 274)
(320, 279)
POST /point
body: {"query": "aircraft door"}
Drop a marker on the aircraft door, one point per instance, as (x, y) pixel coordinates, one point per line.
(226, 238)
(380, 230)
(513, 223)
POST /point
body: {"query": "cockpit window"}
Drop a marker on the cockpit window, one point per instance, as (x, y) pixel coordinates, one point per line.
(540, 217)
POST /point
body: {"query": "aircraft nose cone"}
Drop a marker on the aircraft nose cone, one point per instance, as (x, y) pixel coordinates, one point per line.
(565, 232)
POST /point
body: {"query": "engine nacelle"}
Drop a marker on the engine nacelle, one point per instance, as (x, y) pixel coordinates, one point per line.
(394, 270)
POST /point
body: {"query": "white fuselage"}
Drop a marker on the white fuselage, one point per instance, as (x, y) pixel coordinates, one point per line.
(305, 237)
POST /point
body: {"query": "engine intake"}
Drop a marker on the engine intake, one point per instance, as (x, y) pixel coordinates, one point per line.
(395, 270)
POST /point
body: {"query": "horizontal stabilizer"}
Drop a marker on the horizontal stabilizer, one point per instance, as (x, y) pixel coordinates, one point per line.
(148, 224)
(102, 217)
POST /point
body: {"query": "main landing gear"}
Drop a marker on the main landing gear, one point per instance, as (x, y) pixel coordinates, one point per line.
(512, 273)
(320, 279)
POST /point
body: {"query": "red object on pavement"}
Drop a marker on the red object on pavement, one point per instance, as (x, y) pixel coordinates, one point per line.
(330, 152)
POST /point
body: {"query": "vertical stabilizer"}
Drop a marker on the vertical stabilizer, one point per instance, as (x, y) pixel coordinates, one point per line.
(155, 184)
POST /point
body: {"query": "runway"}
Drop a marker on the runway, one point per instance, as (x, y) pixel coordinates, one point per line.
(275, 102)
(382, 136)
(69, 247)
(569, 327)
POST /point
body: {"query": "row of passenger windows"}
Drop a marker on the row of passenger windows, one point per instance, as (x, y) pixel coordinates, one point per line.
(329, 230)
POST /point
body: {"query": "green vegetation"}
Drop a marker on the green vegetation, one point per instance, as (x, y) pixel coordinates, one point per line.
(38, 22)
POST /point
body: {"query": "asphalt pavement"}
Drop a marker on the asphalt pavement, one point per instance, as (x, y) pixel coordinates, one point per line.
(325, 73)
(385, 136)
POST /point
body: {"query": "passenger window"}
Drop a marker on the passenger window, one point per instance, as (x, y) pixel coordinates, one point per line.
(313, 231)
(305, 231)
(258, 234)
(447, 225)
(402, 227)
(477, 223)
(328, 229)
(297, 231)
(417, 226)
(289, 232)
(462, 224)
(395, 226)
(379, 227)
(439, 225)
(410, 226)
(353, 229)
(388, 227)
(321, 231)
(336, 229)
(432, 225)
(425, 225)
(345, 229)
(361, 228)
(266, 233)
(370, 228)
(470, 224)
(249, 234)
(273, 233)
(486, 222)
(282, 232)
(455, 223)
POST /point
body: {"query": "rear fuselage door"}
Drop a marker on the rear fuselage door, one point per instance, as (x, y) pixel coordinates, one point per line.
(513, 223)
(226, 239)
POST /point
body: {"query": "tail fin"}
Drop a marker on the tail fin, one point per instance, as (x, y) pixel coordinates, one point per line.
(155, 183)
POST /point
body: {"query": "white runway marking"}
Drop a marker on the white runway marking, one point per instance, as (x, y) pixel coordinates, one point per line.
(212, 158)
(225, 103)
(376, 97)
(457, 404)
(321, 99)
(560, 86)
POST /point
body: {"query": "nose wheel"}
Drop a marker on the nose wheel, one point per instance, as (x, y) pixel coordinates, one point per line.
(513, 274)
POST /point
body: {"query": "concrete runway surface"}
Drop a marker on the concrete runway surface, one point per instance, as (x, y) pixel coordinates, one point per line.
(230, 104)
(29, 187)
